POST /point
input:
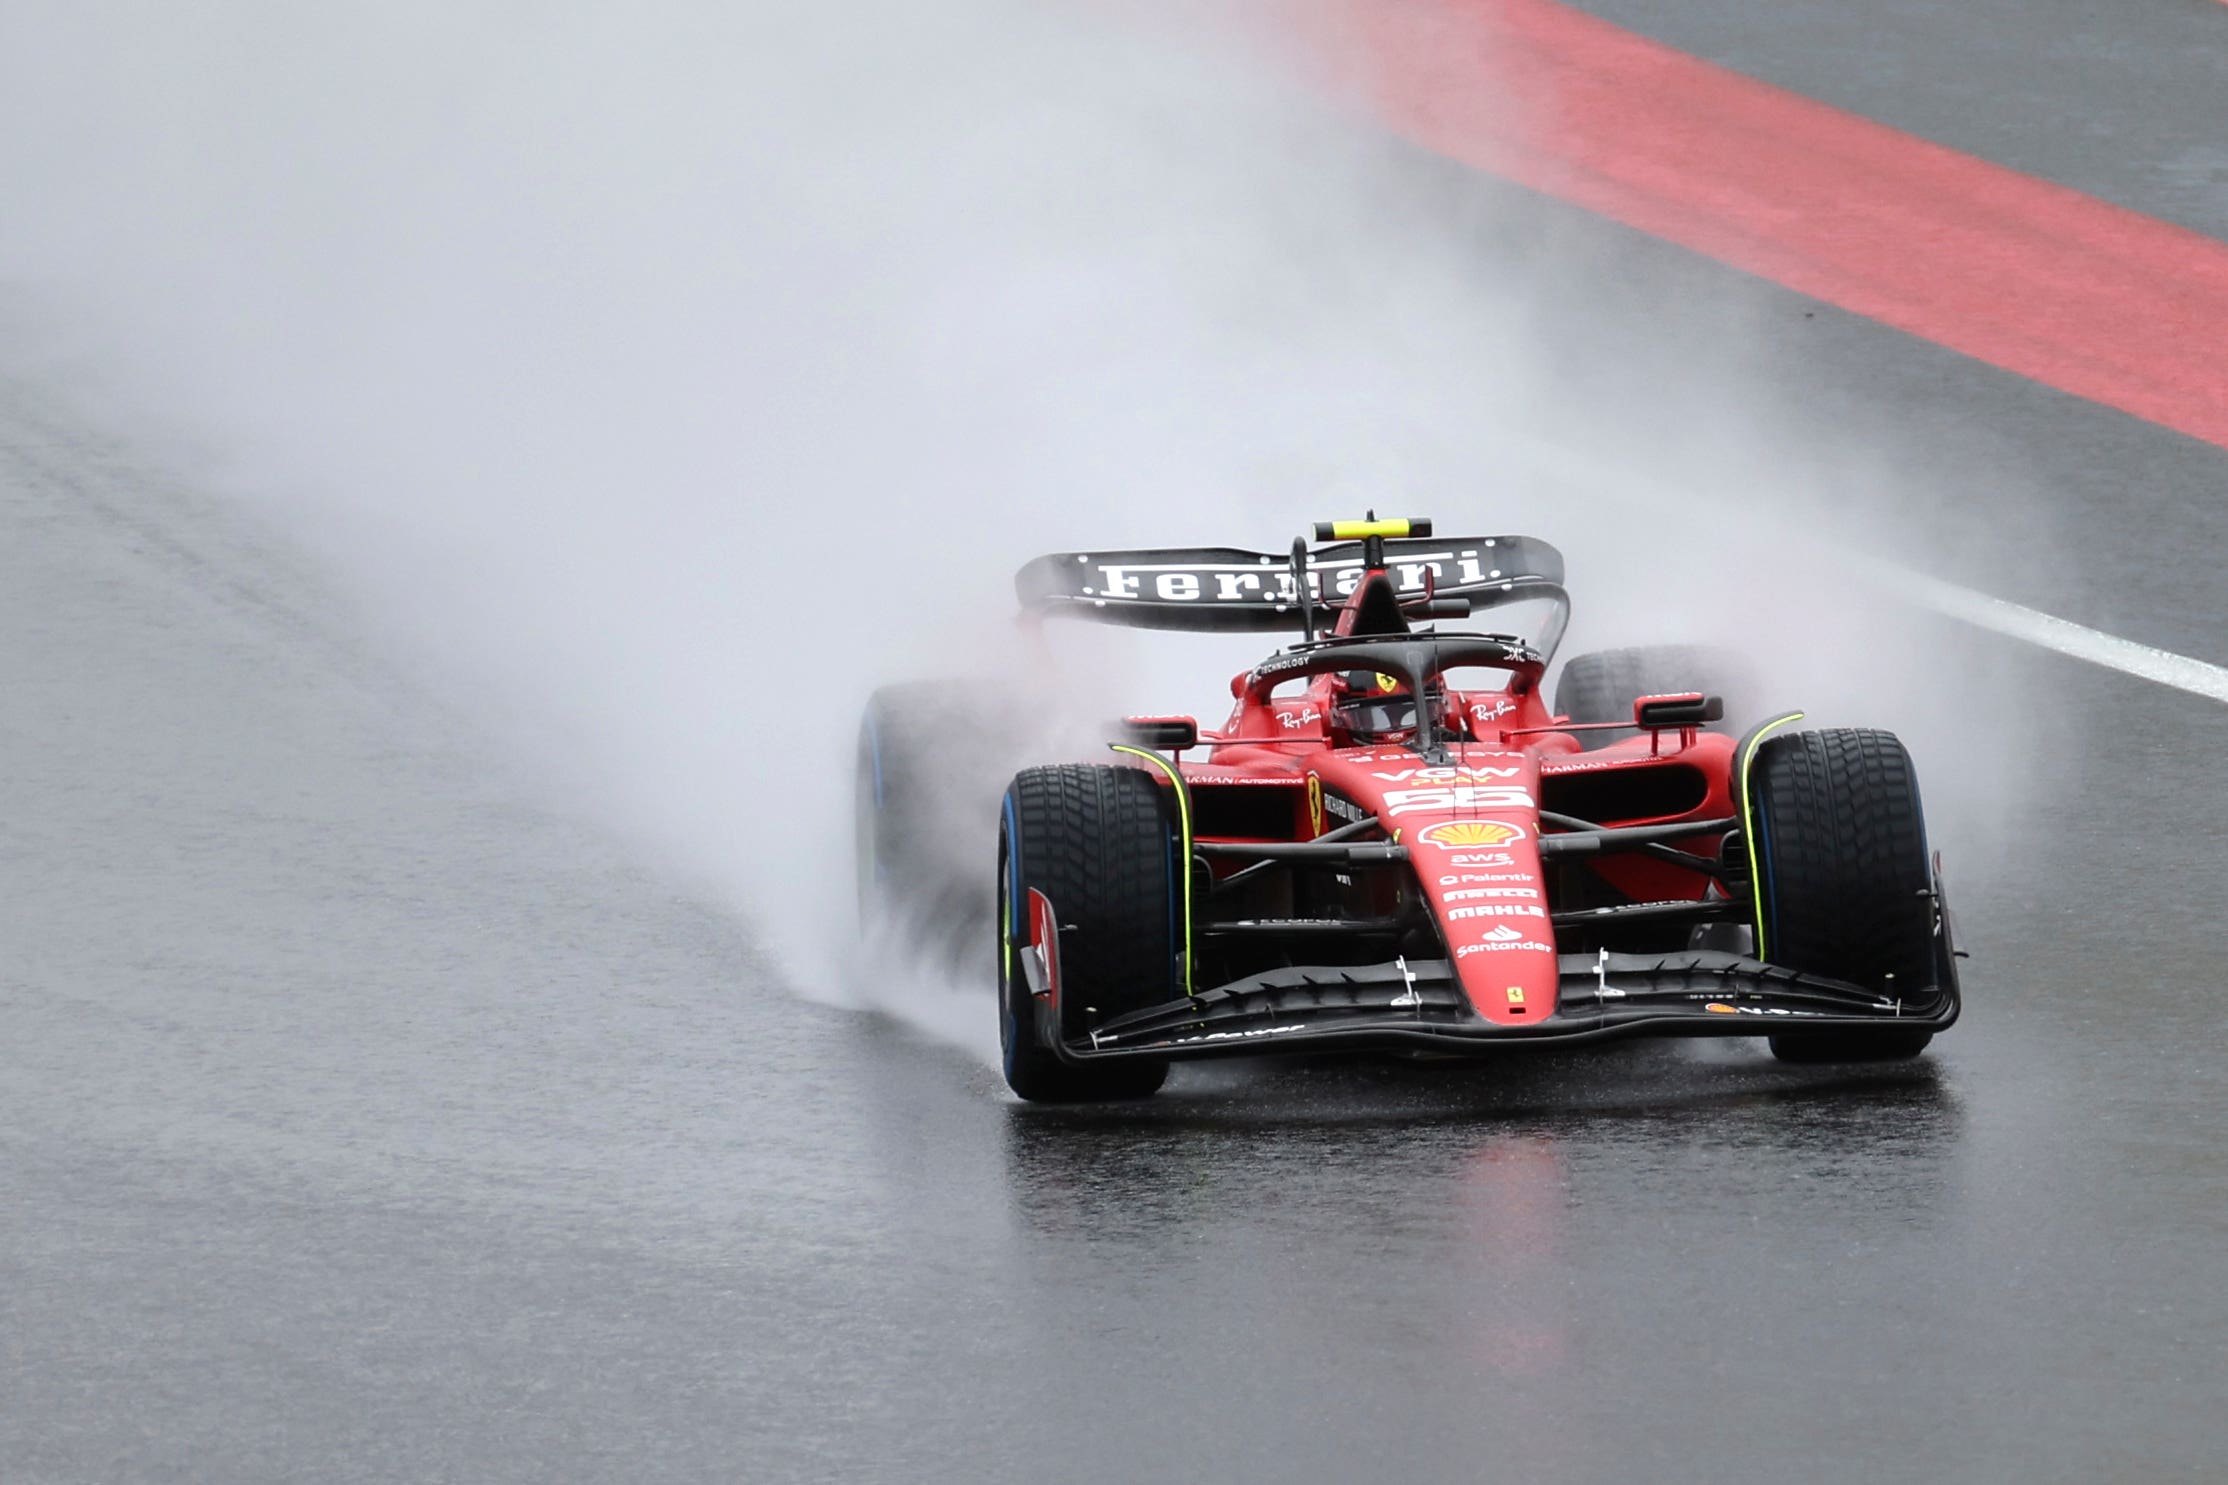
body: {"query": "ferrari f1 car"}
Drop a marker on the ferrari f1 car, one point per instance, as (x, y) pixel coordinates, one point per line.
(1395, 843)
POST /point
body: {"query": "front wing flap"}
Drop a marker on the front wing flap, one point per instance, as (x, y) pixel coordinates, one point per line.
(1415, 1003)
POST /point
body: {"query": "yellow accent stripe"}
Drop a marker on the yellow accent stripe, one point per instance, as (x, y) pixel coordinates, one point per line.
(1183, 816)
(1748, 819)
(1356, 530)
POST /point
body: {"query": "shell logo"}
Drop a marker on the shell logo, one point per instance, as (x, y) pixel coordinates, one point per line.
(1470, 833)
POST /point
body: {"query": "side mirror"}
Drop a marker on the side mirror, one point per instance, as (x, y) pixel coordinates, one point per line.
(1680, 709)
(1436, 608)
(1163, 734)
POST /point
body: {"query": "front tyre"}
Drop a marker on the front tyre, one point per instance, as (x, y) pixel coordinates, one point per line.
(1099, 844)
(1843, 883)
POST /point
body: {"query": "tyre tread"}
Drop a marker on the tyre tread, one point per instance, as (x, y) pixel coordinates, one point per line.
(1846, 892)
(1095, 839)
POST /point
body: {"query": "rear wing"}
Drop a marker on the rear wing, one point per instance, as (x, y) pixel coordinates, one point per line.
(1224, 589)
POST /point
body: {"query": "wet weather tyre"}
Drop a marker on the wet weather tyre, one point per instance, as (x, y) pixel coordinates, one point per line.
(1100, 844)
(1602, 685)
(1843, 882)
(930, 765)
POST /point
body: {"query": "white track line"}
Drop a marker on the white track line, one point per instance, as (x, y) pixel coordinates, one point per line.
(1966, 605)
(2050, 632)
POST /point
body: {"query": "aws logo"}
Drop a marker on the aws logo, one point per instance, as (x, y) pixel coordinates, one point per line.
(1464, 834)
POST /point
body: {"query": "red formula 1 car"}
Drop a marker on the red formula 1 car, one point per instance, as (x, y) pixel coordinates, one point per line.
(1394, 843)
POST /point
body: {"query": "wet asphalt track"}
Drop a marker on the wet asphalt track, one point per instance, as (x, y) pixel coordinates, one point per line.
(360, 1119)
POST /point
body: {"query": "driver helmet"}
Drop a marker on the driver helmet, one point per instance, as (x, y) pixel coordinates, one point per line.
(1371, 706)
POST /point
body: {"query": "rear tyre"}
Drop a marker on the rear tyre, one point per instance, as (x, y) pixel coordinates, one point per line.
(1099, 844)
(1843, 882)
(932, 758)
(1603, 685)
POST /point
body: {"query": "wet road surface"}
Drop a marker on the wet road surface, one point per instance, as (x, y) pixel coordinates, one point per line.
(363, 1118)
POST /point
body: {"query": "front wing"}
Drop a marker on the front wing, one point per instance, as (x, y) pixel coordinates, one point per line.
(1415, 1004)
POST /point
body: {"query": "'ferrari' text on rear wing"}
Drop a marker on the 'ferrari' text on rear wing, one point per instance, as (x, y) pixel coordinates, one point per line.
(1229, 589)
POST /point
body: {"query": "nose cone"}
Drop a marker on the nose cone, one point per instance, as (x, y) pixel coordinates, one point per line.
(1472, 831)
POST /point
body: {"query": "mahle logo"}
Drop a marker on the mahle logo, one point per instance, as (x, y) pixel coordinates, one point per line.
(1461, 833)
